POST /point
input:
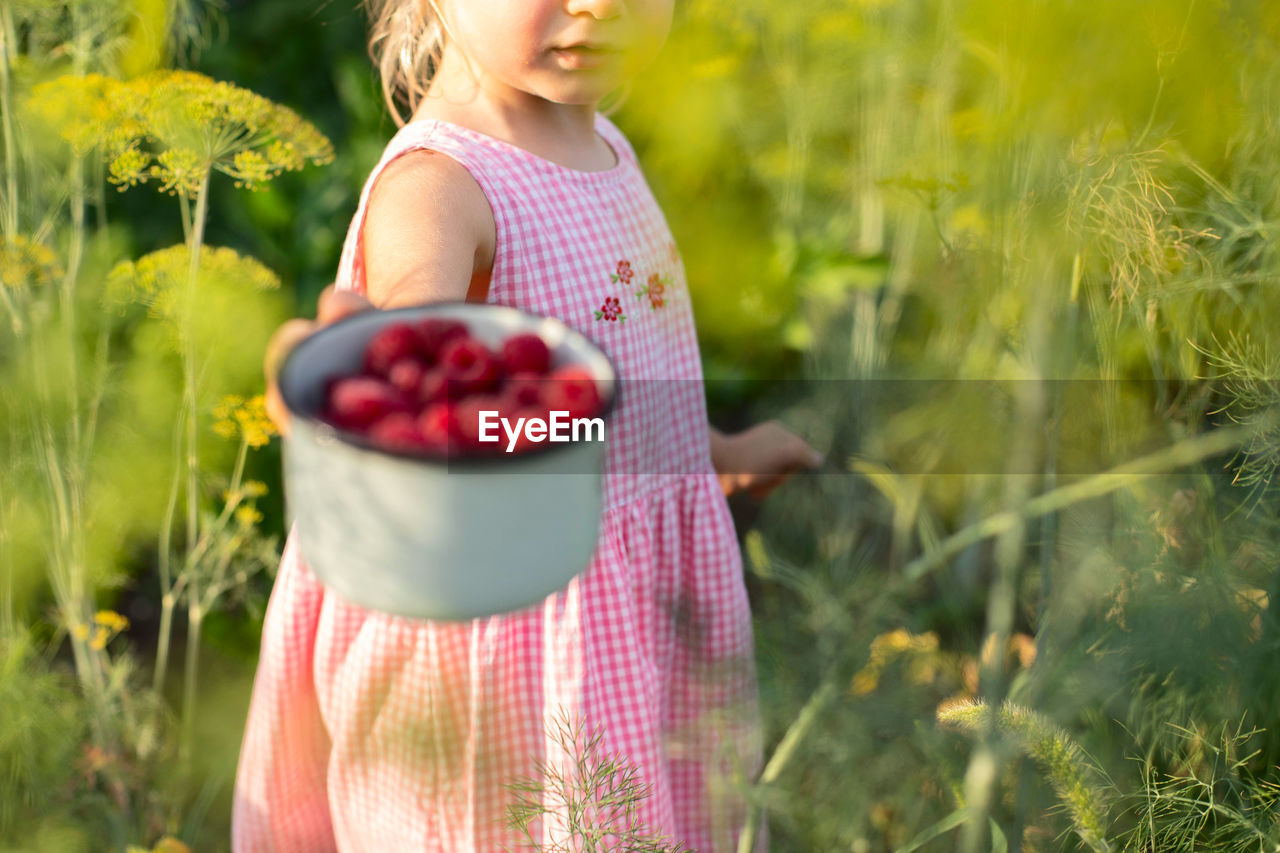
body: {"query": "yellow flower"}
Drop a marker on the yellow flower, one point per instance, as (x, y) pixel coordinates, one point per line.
(159, 279)
(867, 679)
(255, 488)
(900, 640)
(248, 419)
(24, 262)
(255, 426)
(919, 649)
(80, 108)
(111, 619)
(248, 516)
(252, 169)
(228, 404)
(128, 167)
(170, 845)
(179, 170)
(193, 124)
(106, 624)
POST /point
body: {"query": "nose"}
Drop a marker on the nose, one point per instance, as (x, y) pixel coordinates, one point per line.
(601, 10)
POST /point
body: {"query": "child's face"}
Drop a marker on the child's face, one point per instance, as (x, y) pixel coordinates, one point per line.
(565, 51)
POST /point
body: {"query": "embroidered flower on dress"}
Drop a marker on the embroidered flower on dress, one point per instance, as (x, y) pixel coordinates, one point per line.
(624, 272)
(656, 290)
(611, 310)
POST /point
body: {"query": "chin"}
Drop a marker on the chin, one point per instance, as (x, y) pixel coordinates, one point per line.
(578, 97)
(577, 88)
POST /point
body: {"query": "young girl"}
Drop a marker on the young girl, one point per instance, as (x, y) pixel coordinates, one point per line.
(369, 732)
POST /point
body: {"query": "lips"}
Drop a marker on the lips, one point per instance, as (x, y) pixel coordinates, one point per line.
(588, 49)
(590, 44)
(585, 55)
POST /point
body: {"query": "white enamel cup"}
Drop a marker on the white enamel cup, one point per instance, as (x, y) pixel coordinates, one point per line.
(445, 539)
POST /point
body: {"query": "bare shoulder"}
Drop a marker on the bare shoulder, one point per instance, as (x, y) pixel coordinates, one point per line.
(428, 231)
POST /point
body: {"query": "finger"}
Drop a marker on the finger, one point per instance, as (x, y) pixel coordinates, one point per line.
(794, 451)
(332, 306)
(282, 342)
(813, 458)
(335, 304)
(802, 455)
(276, 409)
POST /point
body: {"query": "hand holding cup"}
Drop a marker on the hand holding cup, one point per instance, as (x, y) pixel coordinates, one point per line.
(333, 305)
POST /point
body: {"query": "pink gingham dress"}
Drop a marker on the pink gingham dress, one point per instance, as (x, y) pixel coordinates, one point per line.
(369, 732)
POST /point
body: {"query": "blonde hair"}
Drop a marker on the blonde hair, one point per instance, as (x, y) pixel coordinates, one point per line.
(406, 38)
(406, 41)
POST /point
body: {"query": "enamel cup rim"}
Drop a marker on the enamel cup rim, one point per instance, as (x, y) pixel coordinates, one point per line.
(290, 392)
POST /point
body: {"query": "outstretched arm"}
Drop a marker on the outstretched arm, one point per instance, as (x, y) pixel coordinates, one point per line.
(428, 236)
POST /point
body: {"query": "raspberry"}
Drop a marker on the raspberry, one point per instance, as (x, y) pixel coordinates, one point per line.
(439, 427)
(394, 343)
(524, 390)
(467, 417)
(525, 351)
(469, 366)
(398, 431)
(572, 389)
(433, 387)
(434, 332)
(407, 374)
(355, 402)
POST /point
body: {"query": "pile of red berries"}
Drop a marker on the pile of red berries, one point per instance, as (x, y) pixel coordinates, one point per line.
(424, 384)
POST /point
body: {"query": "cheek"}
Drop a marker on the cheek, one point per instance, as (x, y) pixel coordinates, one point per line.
(519, 37)
(496, 29)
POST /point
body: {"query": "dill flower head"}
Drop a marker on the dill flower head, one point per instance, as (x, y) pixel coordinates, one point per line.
(106, 625)
(196, 123)
(111, 620)
(237, 417)
(82, 109)
(175, 126)
(224, 423)
(159, 279)
(919, 650)
(24, 262)
(247, 516)
(167, 844)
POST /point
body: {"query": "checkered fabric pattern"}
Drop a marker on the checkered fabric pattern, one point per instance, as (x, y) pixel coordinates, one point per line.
(369, 732)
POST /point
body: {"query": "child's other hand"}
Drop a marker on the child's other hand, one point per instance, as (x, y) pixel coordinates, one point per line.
(759, 459)
(333, 305)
